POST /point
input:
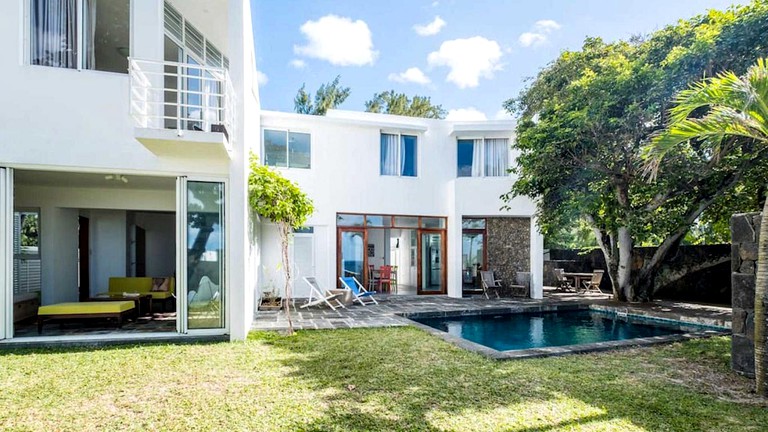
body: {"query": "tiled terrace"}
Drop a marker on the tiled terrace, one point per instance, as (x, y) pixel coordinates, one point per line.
(386, 313)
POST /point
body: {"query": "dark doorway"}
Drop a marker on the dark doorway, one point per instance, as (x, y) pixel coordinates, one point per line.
(83, 254)
(141, 252)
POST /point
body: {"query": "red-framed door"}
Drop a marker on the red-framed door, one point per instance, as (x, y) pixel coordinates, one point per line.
(431, 263)
(351, 255)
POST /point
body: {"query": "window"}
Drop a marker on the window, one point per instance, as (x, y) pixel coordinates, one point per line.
(287, 149)
(80, 34)
(184, 34)
(482, 157)
(398, 155)
(26, 251)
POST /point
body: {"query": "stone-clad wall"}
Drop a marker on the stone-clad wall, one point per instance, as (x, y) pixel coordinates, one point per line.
(509, 246)
(745, 229)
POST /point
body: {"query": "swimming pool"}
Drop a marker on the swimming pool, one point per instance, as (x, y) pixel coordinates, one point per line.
(532, 334)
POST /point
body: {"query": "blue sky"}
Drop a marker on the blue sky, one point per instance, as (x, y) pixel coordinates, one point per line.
(467, 55)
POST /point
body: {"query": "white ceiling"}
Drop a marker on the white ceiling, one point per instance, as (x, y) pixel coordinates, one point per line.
(89, 180)
(208, 16)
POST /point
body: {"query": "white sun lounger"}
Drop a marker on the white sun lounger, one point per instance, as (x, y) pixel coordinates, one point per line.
(318, 295)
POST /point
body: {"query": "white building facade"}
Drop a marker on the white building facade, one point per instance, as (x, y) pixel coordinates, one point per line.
(422, 196)
(124, 156)
(124, 153)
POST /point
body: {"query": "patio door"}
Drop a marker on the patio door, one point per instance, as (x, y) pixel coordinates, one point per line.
(431, 262)
(351, 250)
(201, 253)
(6, 253)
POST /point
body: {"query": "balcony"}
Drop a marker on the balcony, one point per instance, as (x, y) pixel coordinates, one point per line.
(182, 109)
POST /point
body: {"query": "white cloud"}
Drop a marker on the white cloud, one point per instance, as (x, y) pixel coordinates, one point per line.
(338, 40)
(532, 39)
(466, 114)
(502, 114)
(411, 75)
(540, 33)
(261, 78)
(546, 26)
(430, 29)
(468, 59)
(298, 64)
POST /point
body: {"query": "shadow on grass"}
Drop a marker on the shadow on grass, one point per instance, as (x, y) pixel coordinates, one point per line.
(404, 379)
(85, 346)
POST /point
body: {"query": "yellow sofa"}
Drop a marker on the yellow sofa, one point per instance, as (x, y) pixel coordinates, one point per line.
(119, 310)
(143, 285)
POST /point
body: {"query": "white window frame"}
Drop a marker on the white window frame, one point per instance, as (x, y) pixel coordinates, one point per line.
(27, 40)
(482, 155)
(288, 133)
(208, 46)
(399, 134)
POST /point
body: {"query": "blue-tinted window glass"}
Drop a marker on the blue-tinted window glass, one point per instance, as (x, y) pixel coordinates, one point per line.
(299, 151)
(275, 143)
(408, 155)
(389, 164)
(465, 153)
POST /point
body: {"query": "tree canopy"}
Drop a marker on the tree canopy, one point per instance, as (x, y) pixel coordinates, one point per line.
(585, 118)
(389, 102)
(328, 96)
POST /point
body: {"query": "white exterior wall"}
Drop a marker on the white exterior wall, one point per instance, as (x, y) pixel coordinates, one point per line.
(344, 178)
(68, 120)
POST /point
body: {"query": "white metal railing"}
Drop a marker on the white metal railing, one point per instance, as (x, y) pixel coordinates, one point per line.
(181, 96)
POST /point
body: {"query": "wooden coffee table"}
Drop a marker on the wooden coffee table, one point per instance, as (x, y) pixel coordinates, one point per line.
(143, 302)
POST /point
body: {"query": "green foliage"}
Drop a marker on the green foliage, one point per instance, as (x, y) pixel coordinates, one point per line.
(586, 117)
(328, 96)
(389, 102)
(30, 229)
(276, 198)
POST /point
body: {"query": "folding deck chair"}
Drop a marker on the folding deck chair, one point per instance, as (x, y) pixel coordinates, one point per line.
(318, 295)
(358, 291)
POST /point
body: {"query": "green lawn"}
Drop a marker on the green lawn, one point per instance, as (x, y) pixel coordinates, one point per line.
(373, 379)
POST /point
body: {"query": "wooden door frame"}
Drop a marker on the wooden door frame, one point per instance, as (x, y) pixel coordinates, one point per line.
(444, 268)
(339, 257)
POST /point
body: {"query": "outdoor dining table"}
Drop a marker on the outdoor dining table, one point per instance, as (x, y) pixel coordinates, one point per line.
(578, 278)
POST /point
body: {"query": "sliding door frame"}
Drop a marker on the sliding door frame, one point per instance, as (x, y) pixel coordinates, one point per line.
(6, 253)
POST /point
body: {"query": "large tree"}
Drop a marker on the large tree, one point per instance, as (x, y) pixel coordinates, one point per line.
(389, 102)
(734, 123)
(328, 96)
(585, 118)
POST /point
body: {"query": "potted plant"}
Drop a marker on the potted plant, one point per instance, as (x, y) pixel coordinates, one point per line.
(270, 301)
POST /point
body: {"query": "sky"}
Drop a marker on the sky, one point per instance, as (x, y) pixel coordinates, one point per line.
(467, 55)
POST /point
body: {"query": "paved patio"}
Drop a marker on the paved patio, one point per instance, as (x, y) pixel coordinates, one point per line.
(386, 313)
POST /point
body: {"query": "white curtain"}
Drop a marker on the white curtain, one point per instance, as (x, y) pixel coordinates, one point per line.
(89, 33)
(53, 35)
(496, 153)
(477, 158)
(389, 150)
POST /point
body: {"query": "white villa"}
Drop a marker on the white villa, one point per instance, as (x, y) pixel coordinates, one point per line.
(124, 157)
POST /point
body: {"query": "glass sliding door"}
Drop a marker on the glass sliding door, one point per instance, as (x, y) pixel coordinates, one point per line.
(6, 253)
(352, 257)
(432, 266)
(205, 248)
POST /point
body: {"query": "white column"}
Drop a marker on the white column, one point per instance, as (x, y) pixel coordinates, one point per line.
(6, 253)
(537, 261)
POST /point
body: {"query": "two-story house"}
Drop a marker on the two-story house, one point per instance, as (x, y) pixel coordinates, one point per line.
(420, 196)
(123, 157)
(124, 152)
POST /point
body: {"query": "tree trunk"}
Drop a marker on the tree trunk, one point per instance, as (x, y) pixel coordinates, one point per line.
(761, 283)
(626, 253)
(285, 236)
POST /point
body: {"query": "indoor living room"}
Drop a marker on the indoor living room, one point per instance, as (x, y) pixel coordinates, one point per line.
(93, 254)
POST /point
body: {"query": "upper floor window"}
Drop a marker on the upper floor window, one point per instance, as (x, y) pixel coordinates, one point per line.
(488, 157)
(80, 34)
(287, 149)
(399, 155)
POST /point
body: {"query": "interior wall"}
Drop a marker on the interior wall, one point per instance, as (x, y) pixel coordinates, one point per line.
(108, 248)
(58, 244)
(161, 242)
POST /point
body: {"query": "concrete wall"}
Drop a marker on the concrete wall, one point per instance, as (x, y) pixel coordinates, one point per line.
(161, 242)
(745, 230)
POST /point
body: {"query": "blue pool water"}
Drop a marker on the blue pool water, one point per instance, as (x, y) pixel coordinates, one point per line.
(537, 330)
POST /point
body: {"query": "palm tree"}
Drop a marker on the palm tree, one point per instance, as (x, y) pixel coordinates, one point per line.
(717, 114)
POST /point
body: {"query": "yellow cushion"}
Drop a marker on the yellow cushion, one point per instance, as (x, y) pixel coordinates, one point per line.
(86, 308)
(160, 295)
(138, 285)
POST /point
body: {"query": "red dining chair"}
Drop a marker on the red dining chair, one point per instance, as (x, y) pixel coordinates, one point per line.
(385, 277)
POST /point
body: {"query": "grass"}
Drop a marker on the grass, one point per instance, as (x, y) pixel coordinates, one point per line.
(372, 379)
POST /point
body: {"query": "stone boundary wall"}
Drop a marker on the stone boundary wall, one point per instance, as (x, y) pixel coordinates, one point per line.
(745, 230)
(696, 273)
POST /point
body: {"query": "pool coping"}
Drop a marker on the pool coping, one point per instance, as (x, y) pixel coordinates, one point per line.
(708, 330)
